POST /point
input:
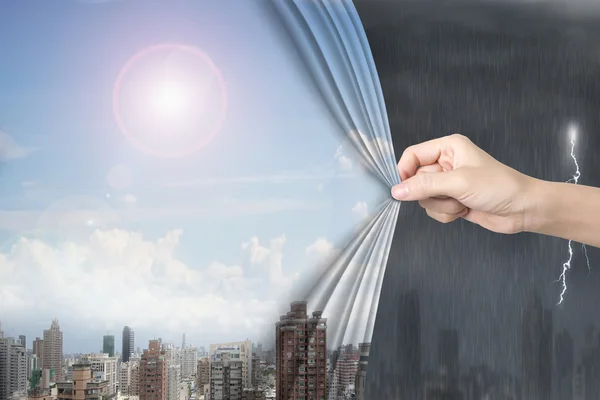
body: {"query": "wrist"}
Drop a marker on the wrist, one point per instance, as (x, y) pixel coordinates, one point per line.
(540, 211)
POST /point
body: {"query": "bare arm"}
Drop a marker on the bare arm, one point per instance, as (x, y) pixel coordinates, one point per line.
(564, 210)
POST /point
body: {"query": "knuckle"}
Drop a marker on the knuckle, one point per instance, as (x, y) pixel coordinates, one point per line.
(460, 138)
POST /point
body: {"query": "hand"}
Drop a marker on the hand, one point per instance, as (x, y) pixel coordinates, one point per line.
(453, 178)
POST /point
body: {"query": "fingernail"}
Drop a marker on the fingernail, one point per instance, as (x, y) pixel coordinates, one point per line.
(400, 192)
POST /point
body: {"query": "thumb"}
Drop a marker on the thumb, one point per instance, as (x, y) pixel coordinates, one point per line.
(428, 185)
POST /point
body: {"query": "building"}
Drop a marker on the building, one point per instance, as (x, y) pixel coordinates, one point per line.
(153, 373)
(253, 394)
(38, 350)
(255, 381)
(129, 378)
(245, 355)
(301, 343)
(13, 368)
(173, 379)
(189, 362)
(104, 368)
(23, 340)
(202, 373)
(128, 344)
(108, 345)
(83, 386)
(361, 374)
(53, 351)
(536, 347)
(226, 374)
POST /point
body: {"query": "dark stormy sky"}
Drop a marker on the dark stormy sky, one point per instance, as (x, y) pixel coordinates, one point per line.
(511, 77)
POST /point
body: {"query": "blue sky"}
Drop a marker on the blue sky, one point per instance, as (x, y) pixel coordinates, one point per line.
(274, 170)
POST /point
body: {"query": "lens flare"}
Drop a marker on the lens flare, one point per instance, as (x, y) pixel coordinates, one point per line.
(170, 100)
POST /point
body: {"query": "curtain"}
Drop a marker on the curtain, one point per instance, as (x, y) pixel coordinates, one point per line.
(335, 53)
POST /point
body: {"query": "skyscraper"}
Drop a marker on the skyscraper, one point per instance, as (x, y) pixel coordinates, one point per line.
(536, 351)
(13, 368)
(301, 347)
(108, 345)
(226, 374)
(23, 340)
(153, 373)
(189, 362)
(361, 374)
(53, 351)
(128, 343)
(245, 355)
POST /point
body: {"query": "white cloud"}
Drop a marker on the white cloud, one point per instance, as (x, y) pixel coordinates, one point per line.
(11, 150)
(130, 199)
(274, 179)
(270, 260)
(321, 248)
(89, 280)
(361, 209)
(344, 162)
(72, 214)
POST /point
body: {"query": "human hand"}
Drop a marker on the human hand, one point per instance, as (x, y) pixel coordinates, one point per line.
(452, 178)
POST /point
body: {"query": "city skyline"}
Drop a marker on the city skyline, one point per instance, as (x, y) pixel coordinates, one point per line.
(112, 234)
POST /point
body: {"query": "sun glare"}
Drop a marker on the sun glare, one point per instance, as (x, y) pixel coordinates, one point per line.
(170, 100)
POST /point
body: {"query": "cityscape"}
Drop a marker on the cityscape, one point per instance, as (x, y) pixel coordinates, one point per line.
(299, 367)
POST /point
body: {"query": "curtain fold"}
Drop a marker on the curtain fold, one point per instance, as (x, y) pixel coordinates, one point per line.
(333, 47)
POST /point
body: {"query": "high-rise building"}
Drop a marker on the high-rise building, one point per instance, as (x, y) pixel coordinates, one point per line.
(173, 379)
(173, 360)
(255, 382)
(226, 374)
(128, 344)
(153, 373)
(38, 350)
(13, 368)
(189, 362)
(361, 374)
(104, 368)
(202, 373)
(129, 378)
(536, 351)
(53, 351)
(83, 386)
(301, 346)
(108, 345)
(23, 340)
(448, 358)
(1, 331)
(245, 355)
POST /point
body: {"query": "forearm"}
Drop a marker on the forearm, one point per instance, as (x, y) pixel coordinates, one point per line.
(564, 210)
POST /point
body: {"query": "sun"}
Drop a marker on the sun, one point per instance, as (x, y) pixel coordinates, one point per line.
(170, 100)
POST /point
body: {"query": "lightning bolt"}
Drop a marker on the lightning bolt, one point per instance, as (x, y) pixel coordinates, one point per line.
(575, 180)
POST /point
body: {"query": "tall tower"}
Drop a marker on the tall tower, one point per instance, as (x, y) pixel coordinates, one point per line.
(301, 347)
(153, 373)
(108, 345)
(183, 342)
(53, 351)
(128, 343)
